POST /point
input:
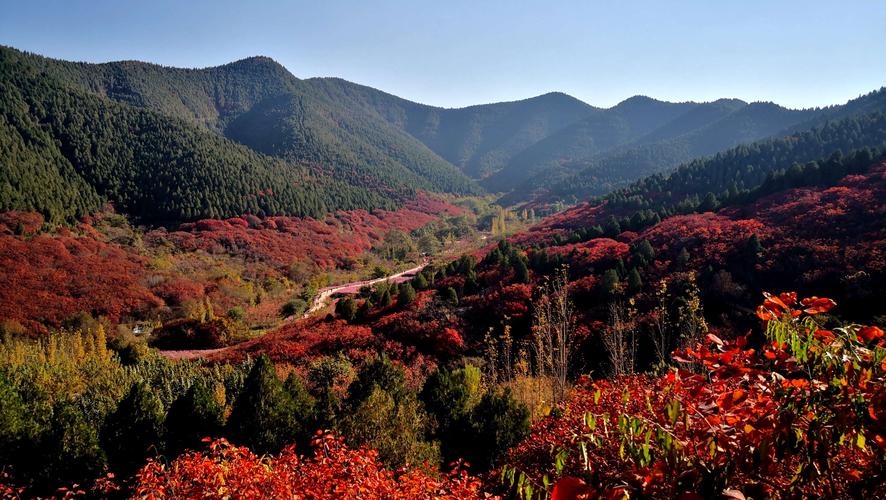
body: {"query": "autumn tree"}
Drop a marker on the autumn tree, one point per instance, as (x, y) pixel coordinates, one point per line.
(620, 339)
(553, 328)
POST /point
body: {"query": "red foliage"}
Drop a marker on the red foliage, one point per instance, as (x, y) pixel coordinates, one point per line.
(46, 280)
(711, 236)
(334, 471)
(14, 222)
(328, 243)
(755, 422)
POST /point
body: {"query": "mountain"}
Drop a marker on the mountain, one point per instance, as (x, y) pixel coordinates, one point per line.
(351, 145)
(65, 150)
(732, 176)
(481, 139)
(628, 121)
(712, 127)
(257, 102)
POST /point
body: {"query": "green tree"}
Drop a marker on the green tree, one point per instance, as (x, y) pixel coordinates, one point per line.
(295, 307)
(346, 309)
(448, 396)
(498, 422)
(70, 450)
(325, 376)
(395, 427)
(134, 430)
(304, 406)
(521, 272)
(420, 282)
(635, 283)
(450, 296)
(386, 299)
(610, 282)
(262, 416)
(193, 416)
(381, 372)
(406, 295)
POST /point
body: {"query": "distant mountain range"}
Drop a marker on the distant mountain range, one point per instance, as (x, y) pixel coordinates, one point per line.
(169, 145)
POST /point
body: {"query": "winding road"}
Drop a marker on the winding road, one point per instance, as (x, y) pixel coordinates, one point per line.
(350, 288)
(320, 301)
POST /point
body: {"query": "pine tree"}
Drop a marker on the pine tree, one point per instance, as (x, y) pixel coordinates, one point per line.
(346, 309)
(262, 417)
(406, 295)
(521, 272)
(611, 282)
(193, 416)
(635, 283)
(134, 430)
(450, 296)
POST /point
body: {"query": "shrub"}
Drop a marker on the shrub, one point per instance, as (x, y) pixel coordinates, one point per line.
(295, 307)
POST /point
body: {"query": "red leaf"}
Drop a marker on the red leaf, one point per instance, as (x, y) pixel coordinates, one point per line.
(815, 305)
(869, 333)
(570, 488)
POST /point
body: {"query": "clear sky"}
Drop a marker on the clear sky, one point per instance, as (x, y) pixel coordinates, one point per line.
(455, 53)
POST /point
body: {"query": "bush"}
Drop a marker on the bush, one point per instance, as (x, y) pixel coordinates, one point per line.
(295, 307)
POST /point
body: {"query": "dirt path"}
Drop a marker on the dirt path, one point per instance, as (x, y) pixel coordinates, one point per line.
(350, 288)
(319, 303)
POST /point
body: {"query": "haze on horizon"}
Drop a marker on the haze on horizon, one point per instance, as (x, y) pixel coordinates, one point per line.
(797, 54)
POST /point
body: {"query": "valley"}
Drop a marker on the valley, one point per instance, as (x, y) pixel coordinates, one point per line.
(232, 281)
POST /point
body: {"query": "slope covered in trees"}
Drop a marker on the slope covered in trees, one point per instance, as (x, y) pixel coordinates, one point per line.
(130, 154)
(714, 127)
(551, 146)
(257, 102)
(481, 139)
(156, 168)
(743, 127)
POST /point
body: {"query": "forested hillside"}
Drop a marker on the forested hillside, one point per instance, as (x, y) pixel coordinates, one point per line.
(67, 150)
(381, 148)
(480, 139)
(609, 171)
(711, 128)
(259, 104)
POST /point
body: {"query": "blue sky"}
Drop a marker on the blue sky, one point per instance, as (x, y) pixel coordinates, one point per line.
(455, 53)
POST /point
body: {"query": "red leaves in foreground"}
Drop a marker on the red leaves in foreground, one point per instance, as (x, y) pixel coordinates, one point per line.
(335, 471)
(803, 416)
